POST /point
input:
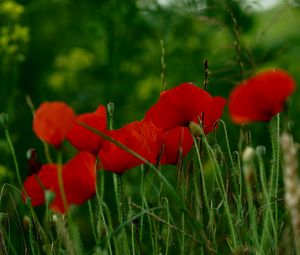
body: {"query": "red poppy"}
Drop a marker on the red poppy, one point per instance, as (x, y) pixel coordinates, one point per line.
(85, 140)
(178, 106)
(139, 136)
(52, 121)
(35, 184)
(79, 178)
(260, 97)
(176, 145)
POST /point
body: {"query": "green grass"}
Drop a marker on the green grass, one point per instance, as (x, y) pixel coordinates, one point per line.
(211, 203)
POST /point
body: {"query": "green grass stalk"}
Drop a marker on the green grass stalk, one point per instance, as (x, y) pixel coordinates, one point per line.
(93, 223)
(13, 153)
(166, 201)
(275, 167)
(220, 183)
(268, 215)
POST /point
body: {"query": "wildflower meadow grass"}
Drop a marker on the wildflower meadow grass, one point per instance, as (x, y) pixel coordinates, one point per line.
(198, 172)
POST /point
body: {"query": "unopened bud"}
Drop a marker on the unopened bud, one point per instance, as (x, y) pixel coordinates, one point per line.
(261, 150)
(110, 108)
(54, 218)
(26, 222)
(195, 129)
(28, 201)
(49, 196)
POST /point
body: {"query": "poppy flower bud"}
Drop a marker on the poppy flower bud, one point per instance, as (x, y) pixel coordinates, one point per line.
(54, 218)
(28, 201)
(261, 150)
(195, 129)
(26, 222)
(49, 196)
(110, 108)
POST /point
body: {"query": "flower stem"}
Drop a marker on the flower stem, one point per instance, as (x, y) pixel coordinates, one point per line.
(275, 136)
(60, 180)
(93, 223)
(13, 152)
(220, 183)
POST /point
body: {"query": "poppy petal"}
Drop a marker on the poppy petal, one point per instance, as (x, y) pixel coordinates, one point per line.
(260, 97)
(85, 140)
(79, 179)
(176, 145)
(213, 114)
(36, 184)
(52, 121)
(178, 106)
(139, 136)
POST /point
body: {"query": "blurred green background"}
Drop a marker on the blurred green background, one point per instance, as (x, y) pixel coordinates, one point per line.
(93, 52)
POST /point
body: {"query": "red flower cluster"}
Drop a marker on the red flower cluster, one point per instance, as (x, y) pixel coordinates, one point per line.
(162, 137)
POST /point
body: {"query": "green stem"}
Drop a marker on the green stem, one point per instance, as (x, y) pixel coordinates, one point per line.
(132, 227)
(220, 183)
(182, 237)
(269, 215)
(60, 180)
(145, 204)
(93, 223)
(202, 176)
(163, 65)
(10, 144)
(11, 247)
(237, 182)
(76, 246)
(252, 212)
(121, 209)
(31, 238)
(45, 145)
(107, 227)
(275, 136)
(168, 225)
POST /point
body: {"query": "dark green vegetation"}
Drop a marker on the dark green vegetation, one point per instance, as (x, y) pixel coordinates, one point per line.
(94, 52)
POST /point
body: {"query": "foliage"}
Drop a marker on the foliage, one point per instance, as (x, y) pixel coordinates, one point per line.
(125, 52)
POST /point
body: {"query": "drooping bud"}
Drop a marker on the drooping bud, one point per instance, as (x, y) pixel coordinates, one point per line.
(33, 164)
(196, 129)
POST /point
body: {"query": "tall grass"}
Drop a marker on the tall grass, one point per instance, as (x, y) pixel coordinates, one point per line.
(207, 208)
